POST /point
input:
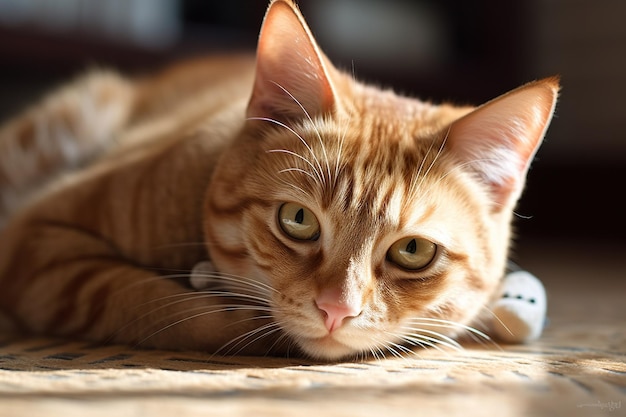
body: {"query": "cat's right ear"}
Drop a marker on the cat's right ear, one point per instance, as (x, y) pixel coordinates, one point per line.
(292, 73)
(499, 139)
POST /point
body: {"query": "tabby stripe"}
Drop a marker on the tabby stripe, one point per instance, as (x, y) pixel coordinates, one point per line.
(384, 205)
(218, 207)
(70, 294)
(68, 298)
(96, 309)
(14, 285)
(273, 248)
(349, 193)
(474, 279)
(476, 282)
(405, 213)
(458, 258)
(43, 271)
(236, 253)
(315, 260)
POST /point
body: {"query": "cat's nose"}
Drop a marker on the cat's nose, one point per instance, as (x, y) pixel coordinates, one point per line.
(335, 309)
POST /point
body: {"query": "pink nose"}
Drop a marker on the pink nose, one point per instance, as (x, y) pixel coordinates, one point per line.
(335, 309)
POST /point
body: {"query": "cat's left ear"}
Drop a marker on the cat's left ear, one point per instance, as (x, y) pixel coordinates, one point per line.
(499, 139)
(291, 70)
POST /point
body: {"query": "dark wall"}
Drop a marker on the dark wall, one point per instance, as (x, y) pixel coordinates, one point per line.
(466, 52)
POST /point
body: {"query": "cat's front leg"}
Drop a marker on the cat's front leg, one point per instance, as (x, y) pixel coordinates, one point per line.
(60, 280)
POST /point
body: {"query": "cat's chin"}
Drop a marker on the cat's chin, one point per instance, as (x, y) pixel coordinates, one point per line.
(327, 348)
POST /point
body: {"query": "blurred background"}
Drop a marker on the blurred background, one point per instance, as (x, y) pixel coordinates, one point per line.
(461, 51)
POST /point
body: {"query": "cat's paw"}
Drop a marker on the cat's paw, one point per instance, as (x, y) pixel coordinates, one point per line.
(203, 275)
(520, 312)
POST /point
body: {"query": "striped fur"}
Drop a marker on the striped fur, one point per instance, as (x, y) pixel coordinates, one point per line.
(201, 172)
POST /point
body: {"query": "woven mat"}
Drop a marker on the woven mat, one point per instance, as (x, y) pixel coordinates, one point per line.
(578, 368)
(48, 377)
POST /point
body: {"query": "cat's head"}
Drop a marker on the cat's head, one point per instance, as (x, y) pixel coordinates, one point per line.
(378, 221)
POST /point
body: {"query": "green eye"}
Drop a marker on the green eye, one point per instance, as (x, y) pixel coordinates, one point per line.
(412, 253)
(298, 222)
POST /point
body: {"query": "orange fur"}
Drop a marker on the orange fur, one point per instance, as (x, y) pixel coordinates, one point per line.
(196, 163)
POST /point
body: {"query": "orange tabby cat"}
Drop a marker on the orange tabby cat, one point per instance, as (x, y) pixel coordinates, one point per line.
(343, 219)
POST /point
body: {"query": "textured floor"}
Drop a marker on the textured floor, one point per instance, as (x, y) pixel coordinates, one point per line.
(578, 368)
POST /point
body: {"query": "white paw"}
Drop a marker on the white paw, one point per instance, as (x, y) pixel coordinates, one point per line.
(520, 312)
(203, 275)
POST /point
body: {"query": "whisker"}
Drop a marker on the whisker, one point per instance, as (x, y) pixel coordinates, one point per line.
(376, 349)
(522, 216)
(403, 349)
(186, 297)
(319, 136)
(448, 324)
(492, 342)
(196, 295)
(419, 170)
(379, 350)
(255, 332)
(414, 341)
(438, 337)
(463, 165)
(417, 338)
(246, 282)
(179, 245)
(290, 344)
(241, 338)
(143, 281)
(284, 337)
(472, 335)
(432, 164)
(395, 349)
(221, 309)
(432, 341)
(471, 162)
(264, 317)
(340, 162)
(234, 282)
(296, 155)
(282, 171)
(301, 139)
(300, 189)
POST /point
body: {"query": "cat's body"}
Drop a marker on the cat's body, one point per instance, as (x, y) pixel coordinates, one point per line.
(343, 219)
(139, 202)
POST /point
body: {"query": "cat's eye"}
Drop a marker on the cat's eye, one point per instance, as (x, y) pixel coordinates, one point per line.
(298, 222)
(412, 253)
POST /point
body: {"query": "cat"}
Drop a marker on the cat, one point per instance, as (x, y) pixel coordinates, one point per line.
(338, 220)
